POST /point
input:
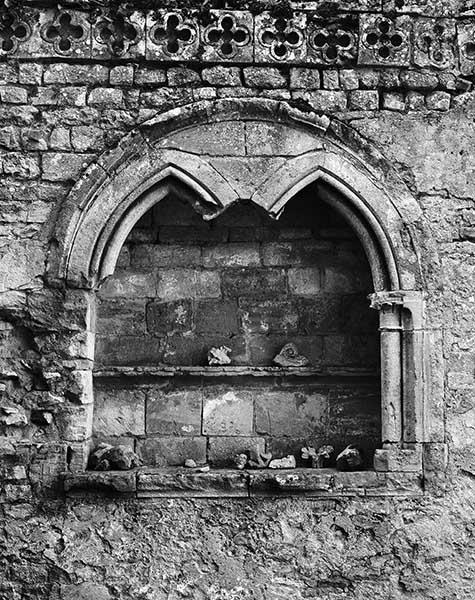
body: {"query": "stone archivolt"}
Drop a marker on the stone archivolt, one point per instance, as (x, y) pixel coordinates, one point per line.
(304, 37)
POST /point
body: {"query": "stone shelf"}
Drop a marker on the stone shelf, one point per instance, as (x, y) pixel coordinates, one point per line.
(178, 482)
(230, 371)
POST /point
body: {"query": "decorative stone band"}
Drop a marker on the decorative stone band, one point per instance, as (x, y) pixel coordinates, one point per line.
(219, 36)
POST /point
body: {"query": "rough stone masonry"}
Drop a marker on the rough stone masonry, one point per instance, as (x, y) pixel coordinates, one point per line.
(176, 175)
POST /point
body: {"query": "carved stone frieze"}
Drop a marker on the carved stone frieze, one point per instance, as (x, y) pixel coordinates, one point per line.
(384, 41)
(333, 42)
(67, 33)
(219, 36)
(13, 31)
(229, 36)
(171, 36)
(434, 43)
(466, 43)
(281, 39)
(117, 35)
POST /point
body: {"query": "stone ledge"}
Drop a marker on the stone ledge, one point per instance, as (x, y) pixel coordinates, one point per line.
(231, 483)
(230, 371)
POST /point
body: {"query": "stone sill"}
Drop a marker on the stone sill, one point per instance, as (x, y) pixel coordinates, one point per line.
(178, 482)
(230, 371)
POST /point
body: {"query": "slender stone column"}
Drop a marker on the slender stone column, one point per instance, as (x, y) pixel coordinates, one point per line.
(391, 373)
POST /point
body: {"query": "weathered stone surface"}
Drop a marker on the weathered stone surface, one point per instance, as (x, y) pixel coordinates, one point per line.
(97, 481)
(296, 481)
(228, 413)
(174, 284)
(177, 412)
(171, 450)
(119, 412)
(216, 316)
(253, 282)
(182, 483)
(296, 414)
(169, 317)
(223, 450)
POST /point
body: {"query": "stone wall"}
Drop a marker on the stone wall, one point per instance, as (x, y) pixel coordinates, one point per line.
(405, 112)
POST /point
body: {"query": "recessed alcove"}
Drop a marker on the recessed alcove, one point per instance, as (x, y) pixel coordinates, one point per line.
(252, 283)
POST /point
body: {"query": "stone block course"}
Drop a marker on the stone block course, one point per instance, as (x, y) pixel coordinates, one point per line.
(10, 94)
(323, 100)
(60, 166)
(231, 255)
(228, 413)
(297, 414)
(106, 98)
(133, 284)
(305, 79)
(331, 79)
(169, 317)
(119, 413)
(222, 450)
(438, 101)
(64, 73)
(222, 76)
(178, 76)
(164, 255)
(122, 75)
(267, 78)
(364, 100)
(174, 413)
(216, 316)
(305, 281)
(174, 284)
(121, 316)
(172, 451)
(253, 281)
(268, 316)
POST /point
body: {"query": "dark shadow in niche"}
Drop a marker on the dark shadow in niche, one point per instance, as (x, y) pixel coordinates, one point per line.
(251, 283)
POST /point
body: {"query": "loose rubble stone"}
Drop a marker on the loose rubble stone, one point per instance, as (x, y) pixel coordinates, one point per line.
(219, 356)
(350, 459)
(108, 458)
(289, 357)
(287, 462)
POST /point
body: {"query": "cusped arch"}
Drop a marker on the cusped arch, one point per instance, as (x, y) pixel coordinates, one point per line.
(116, 191)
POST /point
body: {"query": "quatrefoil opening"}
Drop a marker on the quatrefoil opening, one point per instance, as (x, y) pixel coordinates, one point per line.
(385, 40)
(63, 33)
(281, 38)
(12, 31)
(227, 36)
(118, 34)
(173, 34)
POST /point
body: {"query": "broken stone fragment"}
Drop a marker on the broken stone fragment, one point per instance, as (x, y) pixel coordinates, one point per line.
(240, 460)
(190, 463)
(289, 357)
(12, 415)
(259, 460)
(318, 457)
(108, 458)
(41, 417)
(287, 462)
(350, 459)
(219, 356)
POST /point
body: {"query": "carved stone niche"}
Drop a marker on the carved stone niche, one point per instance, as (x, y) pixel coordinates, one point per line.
(103, 208)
